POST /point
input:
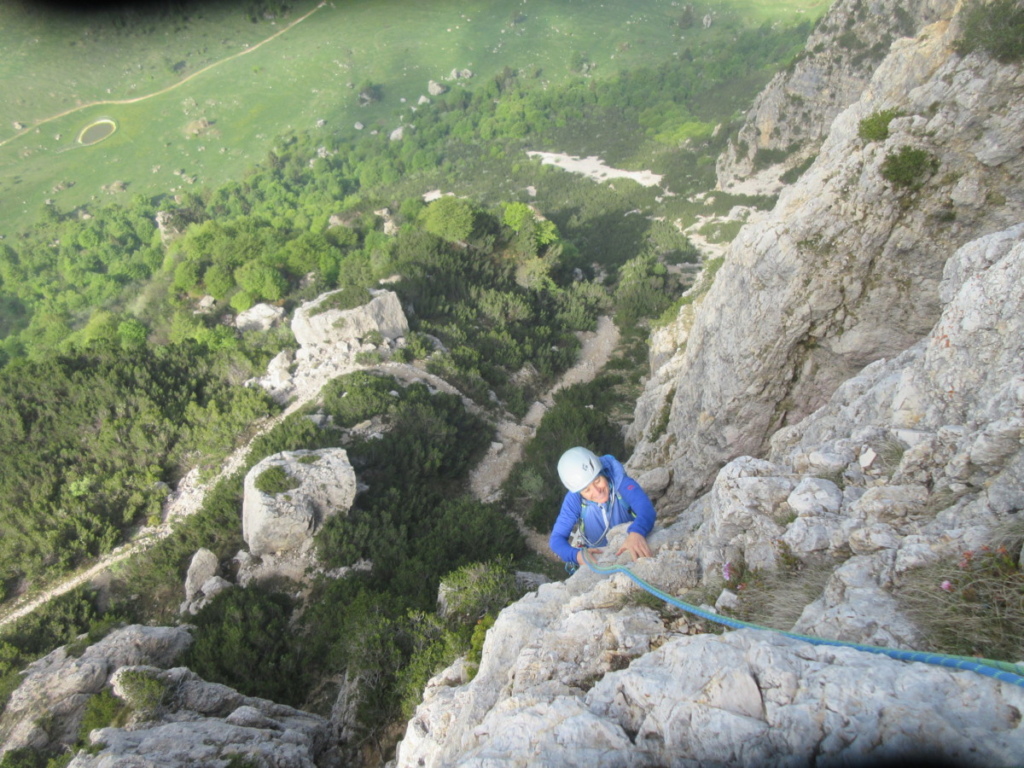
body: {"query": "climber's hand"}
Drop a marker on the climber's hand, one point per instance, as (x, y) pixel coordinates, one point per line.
(636, 545)
(579, 555)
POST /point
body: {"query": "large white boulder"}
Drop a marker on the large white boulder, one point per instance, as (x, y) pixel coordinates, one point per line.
(330, 341)
(260, 317)
(315, 327)
(324, 485)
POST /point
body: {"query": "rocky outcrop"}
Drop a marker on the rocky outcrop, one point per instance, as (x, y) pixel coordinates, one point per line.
(846, 269)
(176, 719)
(329, 340)
(45, 711)
(201, 723)
(792, 115)
(583, 672)
(321, 484)
(314, 326)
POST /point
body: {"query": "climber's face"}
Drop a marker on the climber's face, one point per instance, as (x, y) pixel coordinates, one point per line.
(597, 491)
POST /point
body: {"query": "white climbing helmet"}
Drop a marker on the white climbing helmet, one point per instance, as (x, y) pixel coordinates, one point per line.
(578, 467)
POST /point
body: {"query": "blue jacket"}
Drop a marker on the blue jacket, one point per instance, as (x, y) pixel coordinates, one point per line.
(628, 502)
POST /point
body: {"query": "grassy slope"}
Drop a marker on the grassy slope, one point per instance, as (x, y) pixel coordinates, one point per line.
(290, 83)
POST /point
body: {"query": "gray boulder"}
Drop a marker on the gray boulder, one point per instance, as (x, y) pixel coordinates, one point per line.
(383, 314)
(324, 485)
(202, 583)
(203, 567)
(260, 317)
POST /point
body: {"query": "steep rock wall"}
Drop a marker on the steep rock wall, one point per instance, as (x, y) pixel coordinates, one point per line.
(845, 270)
(792, 115)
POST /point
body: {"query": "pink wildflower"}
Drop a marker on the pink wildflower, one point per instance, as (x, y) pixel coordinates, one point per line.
(727, 571)
(946, 585)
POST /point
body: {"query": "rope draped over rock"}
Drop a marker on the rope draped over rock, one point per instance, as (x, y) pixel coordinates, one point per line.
(1003, 671)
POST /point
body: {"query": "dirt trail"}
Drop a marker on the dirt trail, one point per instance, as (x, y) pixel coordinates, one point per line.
(511, 439)
(485, 480)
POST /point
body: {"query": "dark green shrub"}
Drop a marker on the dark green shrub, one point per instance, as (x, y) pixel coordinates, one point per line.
(102, 710)
(143, 692)
(765, 158)
(359, 396)
(480, 588)
(476, 643)
(275, 480)
(875, 127)
(244, 639)
(347, 297)
(909, 168)
(997, 28)
(24, 757)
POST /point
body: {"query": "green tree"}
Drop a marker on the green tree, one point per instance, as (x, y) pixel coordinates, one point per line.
(450, 219)
(261, 281)
(996, 28)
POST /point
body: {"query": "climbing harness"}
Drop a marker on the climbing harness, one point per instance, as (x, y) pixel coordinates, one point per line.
(578, 537)
(1003, 671)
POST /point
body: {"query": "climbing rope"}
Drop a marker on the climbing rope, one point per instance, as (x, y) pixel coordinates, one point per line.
(1003, 671)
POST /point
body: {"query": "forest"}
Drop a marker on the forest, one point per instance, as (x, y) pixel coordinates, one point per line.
(105, 358)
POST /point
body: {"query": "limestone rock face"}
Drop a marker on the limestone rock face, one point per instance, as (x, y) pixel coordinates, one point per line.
(847, 269)
(793, 114)
(324, 485)
(664, 696)
(45, 711)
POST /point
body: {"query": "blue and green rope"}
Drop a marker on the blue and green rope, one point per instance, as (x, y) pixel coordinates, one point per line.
(1003, 671)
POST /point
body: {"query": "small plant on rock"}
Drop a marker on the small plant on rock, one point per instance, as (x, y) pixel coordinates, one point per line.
(875, 127)
(143, 692)
(275, 480)
(973, 606)
(909, 168)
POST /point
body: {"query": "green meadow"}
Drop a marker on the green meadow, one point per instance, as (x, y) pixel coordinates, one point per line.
(197, 100)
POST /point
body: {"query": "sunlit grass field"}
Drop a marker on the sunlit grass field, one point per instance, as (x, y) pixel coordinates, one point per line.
(209, 100)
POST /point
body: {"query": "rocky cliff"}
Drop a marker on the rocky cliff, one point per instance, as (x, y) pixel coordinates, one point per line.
(845, 270)
(838, 427)
(790, 119)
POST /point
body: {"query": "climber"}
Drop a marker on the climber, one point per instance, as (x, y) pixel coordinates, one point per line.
(601, 495)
